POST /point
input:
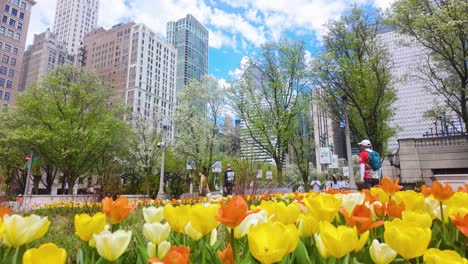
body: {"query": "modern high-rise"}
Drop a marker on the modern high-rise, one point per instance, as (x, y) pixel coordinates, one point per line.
(43, 55)
(14, 24)
(73, 19)
(191, 41)
(414, 97)
(138, 66)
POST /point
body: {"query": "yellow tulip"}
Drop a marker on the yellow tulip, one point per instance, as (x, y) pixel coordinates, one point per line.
(269, 242)
(177, 216)
(112, 245)
(279, 211)
(320, 246)
(457, 204)
(251, 220)
(22, 230)
(151, 250)
(381, 253)
(413, 201)
(323, 207)
(409, 241)
(192, 232)
(156, 232)
(152, 214)
(433, 208)
(158, 251)
(203, 218)
(86, 226)
(46, 254)
(213, 236)
(383, 196)
(437, 256)
(341, 240)
(350, 200)
(417, 218)
(308, 225)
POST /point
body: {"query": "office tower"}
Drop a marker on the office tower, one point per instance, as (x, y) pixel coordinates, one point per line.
(137, 65)
(14, 24)
(191, 41)
(43, 55)
(73, 19)
(414, 97)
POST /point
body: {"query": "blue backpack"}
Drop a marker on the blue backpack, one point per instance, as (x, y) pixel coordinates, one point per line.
(374, 160)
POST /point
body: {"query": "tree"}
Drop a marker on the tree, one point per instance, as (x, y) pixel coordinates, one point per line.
(268, 97)
(198, 122)
(302, 143)
(71, 120)
(355, 67)
(441, 26)
(144, 147)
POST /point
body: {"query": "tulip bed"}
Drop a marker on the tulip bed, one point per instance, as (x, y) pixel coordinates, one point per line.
(381, 225)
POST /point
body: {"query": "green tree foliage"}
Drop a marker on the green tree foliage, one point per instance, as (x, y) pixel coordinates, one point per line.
(269, 96)
(354, 66)
(71, 120)
(198, 121)
(441, 26)
(302, 143)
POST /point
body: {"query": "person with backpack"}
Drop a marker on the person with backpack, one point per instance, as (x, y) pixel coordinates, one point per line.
(229, 177)
(369, 164)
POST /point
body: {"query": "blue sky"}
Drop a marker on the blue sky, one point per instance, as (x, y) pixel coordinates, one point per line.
(237, 27)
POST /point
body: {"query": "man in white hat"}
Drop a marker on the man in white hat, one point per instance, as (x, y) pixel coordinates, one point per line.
(369, 176)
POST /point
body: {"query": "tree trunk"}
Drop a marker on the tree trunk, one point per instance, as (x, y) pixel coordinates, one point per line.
(279, 171)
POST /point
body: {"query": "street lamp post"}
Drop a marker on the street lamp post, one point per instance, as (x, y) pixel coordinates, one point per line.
(26, 187)
(165, 124)
(352, 183)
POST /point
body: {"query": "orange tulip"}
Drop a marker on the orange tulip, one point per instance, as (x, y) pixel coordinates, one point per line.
(461, 223)
(394, 210)
(332, 191)
(226, 256)
(361, 217)
(232, 214)
(426, 190)
(379, 209)
(177, 255)
(118, 210)
(4, 211)
(389, 186)
(371, 198)
(463, 188)
(441, 193)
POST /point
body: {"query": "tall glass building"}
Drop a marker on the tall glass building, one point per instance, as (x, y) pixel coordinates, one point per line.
(191, 41)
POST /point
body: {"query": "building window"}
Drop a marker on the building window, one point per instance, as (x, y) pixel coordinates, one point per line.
(23, 5)
(12, 22)
(2, 30)
(3, 70)
(11, 73)
(7, 96)
(13, 62)
(10, 33)
(2, 82)
(17, 36)
(5, 59)
(20, 26)
(6, 48)
(1, 93)
(4, 19)
(14, 12)
(9, 84)
(6, 8)
(15, 51)
(21, 15)
(16, 2)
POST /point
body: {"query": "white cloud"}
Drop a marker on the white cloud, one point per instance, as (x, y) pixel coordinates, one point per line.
(250, 24)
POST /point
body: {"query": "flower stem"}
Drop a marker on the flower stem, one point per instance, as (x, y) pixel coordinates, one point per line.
(203, 250)
(444, 228)
(234, 247)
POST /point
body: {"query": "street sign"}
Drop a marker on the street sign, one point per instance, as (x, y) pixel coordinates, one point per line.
(259, 174)
(346, 171)
(334, 162)
(325, 155)
(216, 167)
(269, 175)
(190, 164)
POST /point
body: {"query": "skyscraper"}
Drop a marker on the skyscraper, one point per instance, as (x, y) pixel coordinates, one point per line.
(138, 66)
(13, 30)
(191, 41)
(42, 56)
(73, 19)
